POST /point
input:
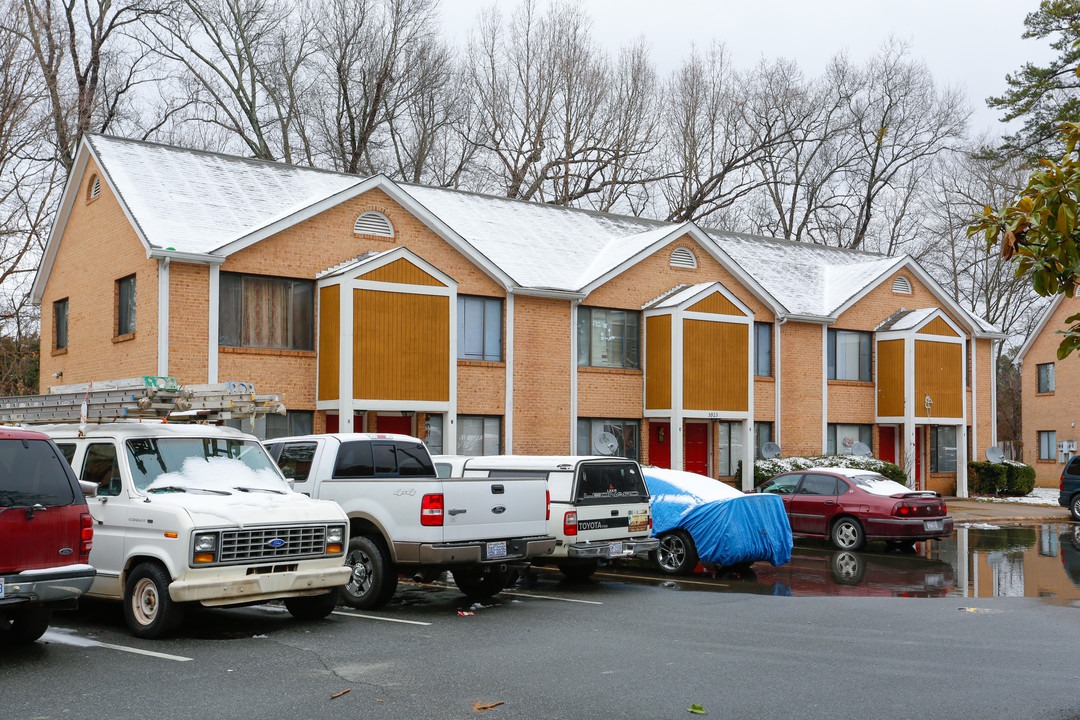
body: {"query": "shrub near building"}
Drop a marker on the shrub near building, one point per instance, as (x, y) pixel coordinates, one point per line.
(1009, 478)
(767, 469)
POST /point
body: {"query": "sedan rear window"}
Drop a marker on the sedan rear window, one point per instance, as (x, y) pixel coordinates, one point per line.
(600, 483)
(880, 485)
(31, 473)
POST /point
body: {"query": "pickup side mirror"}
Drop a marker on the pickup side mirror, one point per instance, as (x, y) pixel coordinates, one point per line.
(89, 489)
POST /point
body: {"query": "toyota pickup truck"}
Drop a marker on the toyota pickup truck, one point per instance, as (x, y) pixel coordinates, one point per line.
(187, 514)
(599, 505)
(404, 518)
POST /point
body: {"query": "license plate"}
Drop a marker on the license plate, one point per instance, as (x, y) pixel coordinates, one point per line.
(935, 524)
(615, 548)
(496, 549)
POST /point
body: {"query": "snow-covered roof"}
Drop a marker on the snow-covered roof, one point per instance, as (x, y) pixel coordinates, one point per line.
(906, 319)
(209, 205)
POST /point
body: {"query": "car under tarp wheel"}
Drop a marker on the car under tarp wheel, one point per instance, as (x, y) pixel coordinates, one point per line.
(148, 609)
(374, 577)
(1074, 507)
(847, 534)
(23, 626)
(677, 554)
(579, 571)
(311, 607)
(481, 583)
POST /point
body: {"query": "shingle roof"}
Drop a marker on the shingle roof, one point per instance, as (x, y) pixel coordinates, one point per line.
(198, 202)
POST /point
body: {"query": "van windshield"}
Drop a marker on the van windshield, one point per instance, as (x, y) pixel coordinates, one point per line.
(614, 482)
(202, 463)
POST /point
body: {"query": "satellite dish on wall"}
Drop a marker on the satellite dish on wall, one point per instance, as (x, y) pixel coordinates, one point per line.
(993, 454)
(606, 444)
(861, 449)
(770, 450)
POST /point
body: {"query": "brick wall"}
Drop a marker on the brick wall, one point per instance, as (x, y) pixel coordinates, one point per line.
(541, 376)
(1055, 410)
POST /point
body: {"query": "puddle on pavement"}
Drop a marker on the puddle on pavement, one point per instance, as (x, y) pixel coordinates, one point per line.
(1041, 561)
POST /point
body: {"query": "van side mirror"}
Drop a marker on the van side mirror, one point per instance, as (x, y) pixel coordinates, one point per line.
(89, 489)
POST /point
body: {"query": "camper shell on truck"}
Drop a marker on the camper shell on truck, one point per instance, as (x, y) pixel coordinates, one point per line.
(599, 504)
(404, 518)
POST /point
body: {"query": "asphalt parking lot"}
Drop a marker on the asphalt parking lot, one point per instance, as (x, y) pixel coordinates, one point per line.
(638, 646)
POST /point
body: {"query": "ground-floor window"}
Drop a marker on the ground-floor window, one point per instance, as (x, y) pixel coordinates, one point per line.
(842, 438)
(479, 435)
(433, 434)
(729, 448)
(942, 448)
(762, 435)
(267, 427)
(607, 436)
(1048, 445)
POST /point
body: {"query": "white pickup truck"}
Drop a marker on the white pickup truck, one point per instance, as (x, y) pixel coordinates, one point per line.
(599, 505)
(403, 518)
(199, 514)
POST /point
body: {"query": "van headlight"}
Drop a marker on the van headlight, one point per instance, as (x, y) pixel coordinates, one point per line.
(204, 548)
(335, 537)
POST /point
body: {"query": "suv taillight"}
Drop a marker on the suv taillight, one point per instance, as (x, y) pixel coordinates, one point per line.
(569, 523)
(1061, 483)
(431, 510)
(86, 539)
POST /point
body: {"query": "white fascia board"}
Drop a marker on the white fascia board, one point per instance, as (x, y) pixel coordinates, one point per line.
(401, 197)
(718, 287)
(363, 267)
(185, 257)
(547, 293)
(710, 246)
(67, 202)
(1039, 327)
(944, 299)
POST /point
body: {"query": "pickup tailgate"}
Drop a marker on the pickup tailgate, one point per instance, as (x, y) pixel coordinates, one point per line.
(493, 508)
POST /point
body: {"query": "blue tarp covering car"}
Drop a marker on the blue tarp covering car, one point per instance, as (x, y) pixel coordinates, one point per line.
(698, 518)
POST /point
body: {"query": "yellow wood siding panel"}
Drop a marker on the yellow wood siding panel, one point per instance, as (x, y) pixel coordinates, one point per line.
(329, 342)
(716, 304)
(890, 378)
(715, 365)
(401, 271)
(939, 373)
(401, 346)
(937, 326)
(658, 362)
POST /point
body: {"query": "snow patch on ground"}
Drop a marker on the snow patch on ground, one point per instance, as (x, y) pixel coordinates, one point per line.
(1038, 496)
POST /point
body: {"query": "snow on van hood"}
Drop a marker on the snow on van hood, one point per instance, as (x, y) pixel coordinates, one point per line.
(223, 489)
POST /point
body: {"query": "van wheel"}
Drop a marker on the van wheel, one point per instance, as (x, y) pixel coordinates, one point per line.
(25, 625)
(148, 609)
(311, 607)
(480, 584)
(1074, 508)
(578, 571)
(374, 577)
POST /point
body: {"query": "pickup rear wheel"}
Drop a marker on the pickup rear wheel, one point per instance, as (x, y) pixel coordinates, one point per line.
(481, 583)
(311, 607)
(677, 554)
(24, 625)
(374, 576)
(148, 609)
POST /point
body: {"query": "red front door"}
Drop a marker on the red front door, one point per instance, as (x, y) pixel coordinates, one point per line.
(918, 458)
(660, 444)
(697, 448)
(887, 443)
(393, 424)
(333, 425)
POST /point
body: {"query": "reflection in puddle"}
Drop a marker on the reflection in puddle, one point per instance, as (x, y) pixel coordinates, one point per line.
(977, 561)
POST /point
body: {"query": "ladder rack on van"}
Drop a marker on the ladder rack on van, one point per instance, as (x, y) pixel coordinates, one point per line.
(148, 397)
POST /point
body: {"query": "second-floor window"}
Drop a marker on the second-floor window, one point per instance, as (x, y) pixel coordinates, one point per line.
(609, 338)
(1046, 377)
(849, 355)
(260, 311)
(479, 328)
(125, 305)
(60, 324)
(763, 349)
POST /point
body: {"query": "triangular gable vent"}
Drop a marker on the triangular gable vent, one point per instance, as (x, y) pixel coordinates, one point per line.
(374, 223)
(683, 258)
(901, 285)
(95, 187)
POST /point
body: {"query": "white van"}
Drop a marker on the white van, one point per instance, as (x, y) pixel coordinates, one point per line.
(599, 505)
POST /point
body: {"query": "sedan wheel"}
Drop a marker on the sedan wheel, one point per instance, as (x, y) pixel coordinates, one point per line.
(677, 554)
(847, 534)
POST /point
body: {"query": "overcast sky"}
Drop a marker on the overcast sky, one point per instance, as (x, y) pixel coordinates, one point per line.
(971, 43)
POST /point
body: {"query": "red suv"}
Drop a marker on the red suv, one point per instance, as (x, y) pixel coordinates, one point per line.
(45, 535)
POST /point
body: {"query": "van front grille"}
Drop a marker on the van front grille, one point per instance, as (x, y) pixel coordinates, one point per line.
(272, 543)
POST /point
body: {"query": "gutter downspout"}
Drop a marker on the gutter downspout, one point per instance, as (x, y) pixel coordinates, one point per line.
(163, 318)
(573, 374)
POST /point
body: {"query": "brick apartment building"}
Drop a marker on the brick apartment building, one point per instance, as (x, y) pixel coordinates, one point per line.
(1049, 388)
(488, 325)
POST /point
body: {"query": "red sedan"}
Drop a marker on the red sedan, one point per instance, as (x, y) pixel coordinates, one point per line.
(850, 506)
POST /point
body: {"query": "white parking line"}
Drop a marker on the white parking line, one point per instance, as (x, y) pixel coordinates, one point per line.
(376, 617)
(550, 597)
(679, 580)
(63, 636)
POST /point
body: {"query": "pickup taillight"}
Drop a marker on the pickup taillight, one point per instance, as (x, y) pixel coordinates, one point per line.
(569, 523)
(431, 510)
(547, 499)
(86, 538)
